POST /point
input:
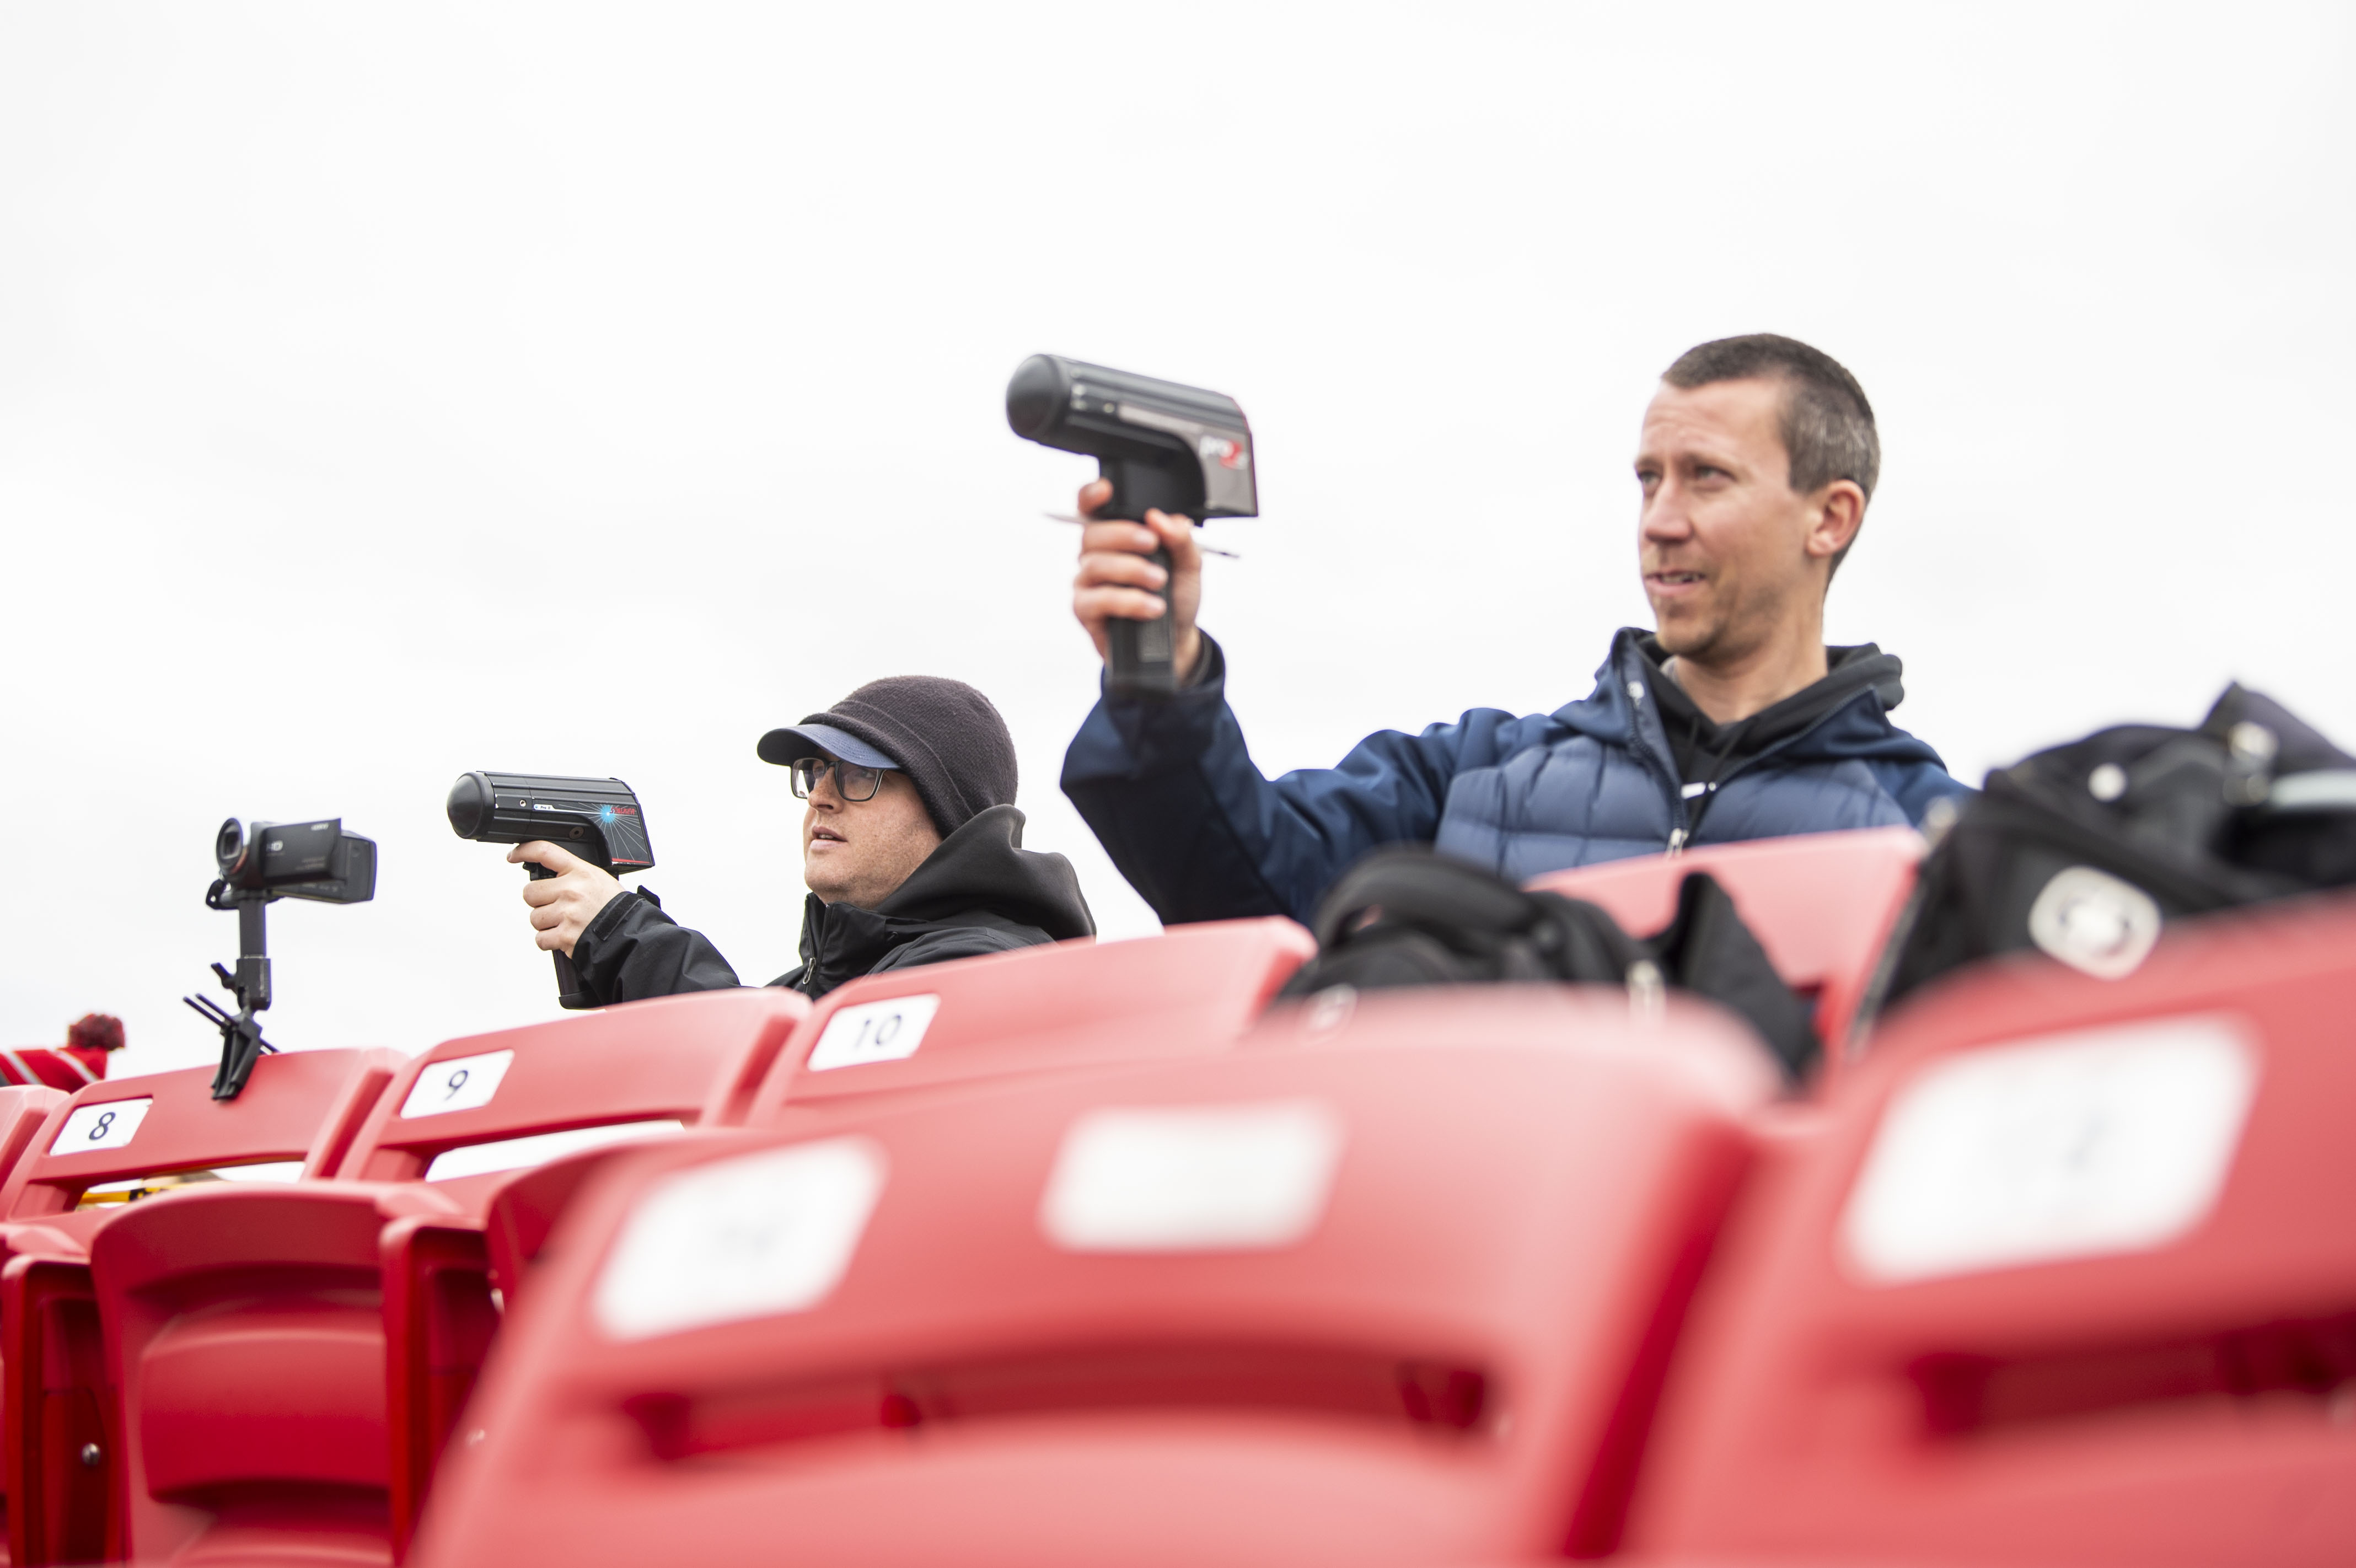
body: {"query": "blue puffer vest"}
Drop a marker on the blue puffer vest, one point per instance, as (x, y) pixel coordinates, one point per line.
(1170, 790)
(1604, 784)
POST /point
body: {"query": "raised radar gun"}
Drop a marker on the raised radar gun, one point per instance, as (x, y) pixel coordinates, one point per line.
(1184, 450)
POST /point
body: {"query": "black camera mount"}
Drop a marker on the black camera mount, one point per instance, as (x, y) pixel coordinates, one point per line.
(241, 1041)
(315, 860)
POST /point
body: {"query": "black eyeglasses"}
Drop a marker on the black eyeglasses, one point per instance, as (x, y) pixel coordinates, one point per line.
(850, 780)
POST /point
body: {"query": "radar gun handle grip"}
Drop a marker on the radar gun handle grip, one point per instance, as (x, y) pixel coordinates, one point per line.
(569, 992)
(1144, 652)
(1143, 661)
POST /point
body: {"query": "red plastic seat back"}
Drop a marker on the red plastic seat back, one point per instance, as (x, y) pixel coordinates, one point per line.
(2067, 1278)
(290, 1360)
(698, 1058)
(1193, 989)
(24, 1110)
(1822, 905)
(245, 1363)
(298, 1104)
(61, 1452)
(1382, 1291)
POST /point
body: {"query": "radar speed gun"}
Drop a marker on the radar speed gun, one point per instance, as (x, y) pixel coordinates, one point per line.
(597, 819)
(1180, 449)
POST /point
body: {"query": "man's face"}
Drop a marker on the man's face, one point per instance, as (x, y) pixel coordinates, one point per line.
(1724, 543)
(859, 851)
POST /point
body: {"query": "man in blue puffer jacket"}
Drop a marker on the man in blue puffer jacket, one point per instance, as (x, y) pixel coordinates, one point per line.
(1732, 720)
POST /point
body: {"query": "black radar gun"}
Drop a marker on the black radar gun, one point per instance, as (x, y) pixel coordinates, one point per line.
(1180, 449)
(597, 819)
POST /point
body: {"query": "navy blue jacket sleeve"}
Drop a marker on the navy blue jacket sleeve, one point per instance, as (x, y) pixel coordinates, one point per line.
(1915, 786)
(1173, 794)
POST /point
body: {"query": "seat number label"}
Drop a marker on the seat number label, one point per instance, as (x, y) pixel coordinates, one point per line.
(110, 1123)
(2101, 1141)
(755, 1236)
(874, 1031)
(457, 1084)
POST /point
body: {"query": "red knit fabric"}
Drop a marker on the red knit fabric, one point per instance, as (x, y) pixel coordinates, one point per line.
(68, 1069)
(101, 1032)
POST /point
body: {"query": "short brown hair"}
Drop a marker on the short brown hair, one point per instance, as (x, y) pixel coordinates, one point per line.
(1827, 425)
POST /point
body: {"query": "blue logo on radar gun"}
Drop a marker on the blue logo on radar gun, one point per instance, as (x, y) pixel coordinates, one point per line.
(604, 817)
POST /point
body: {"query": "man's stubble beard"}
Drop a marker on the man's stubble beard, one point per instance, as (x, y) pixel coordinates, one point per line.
(1695, 640)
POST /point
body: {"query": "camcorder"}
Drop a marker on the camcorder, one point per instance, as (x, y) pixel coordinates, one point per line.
(315, 860)
(597, 819)
(1184, 450)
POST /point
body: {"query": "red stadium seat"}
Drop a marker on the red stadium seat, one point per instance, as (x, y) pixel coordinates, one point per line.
(290, 1360)
(947, 1027)
(1822, 905)
(23, 1108)
(1382, 1286)
(2067, 1277)
(60, 1443)
(1192, 990)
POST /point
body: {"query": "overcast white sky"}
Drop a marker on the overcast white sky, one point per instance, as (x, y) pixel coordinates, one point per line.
(392, 390)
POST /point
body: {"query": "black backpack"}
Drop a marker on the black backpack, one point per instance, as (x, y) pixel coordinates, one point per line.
(2086, 851)
(1411, 917)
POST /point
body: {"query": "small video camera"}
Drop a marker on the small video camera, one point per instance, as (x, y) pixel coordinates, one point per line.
(315, 860)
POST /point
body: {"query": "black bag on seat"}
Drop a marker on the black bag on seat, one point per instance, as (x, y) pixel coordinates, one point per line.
(1411, 917)
(1706, 949)
(2085, 851)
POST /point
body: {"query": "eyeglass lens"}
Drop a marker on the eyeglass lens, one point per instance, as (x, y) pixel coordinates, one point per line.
(850, 780)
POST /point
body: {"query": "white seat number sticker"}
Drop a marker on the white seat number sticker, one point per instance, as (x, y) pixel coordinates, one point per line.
(2080, 1145)
(751, 1237)
(874, 1031)
(1179, 1178)
(457, 1083)
(109, 1123)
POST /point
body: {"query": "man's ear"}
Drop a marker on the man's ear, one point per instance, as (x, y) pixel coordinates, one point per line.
(1839, 512)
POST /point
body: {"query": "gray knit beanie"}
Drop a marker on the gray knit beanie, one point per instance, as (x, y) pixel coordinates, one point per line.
(942, 733)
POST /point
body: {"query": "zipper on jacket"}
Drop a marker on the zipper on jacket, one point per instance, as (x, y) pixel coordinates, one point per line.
(1676, 843)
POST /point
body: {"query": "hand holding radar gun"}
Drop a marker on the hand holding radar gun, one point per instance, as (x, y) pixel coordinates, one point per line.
(1181, 450)
(315, 860)
(597, 819)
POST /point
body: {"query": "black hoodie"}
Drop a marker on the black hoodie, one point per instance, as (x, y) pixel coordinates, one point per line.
(981, 892)
(1708, 751)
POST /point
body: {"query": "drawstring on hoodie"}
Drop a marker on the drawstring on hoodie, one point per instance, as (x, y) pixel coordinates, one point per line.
(1701, 792)
(1849, 672)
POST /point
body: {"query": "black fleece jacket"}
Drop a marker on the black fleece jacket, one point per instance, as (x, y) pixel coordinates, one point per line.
(980, 892)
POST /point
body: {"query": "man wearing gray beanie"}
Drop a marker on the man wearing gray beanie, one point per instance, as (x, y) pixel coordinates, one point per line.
(912, 849)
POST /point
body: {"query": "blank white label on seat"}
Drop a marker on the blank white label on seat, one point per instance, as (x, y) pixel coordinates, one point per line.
(1192, 1177)
(874, 1031)
(2080, 1145)
(457, 1084)
(110, 1123)
(756, 1236)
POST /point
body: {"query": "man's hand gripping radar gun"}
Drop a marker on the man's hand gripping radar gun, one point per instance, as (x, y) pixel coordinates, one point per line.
(597, 819)
(1180, 449)
(315, 860)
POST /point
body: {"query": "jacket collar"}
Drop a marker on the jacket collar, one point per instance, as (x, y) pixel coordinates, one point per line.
(1844, 715)
(982, 867)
